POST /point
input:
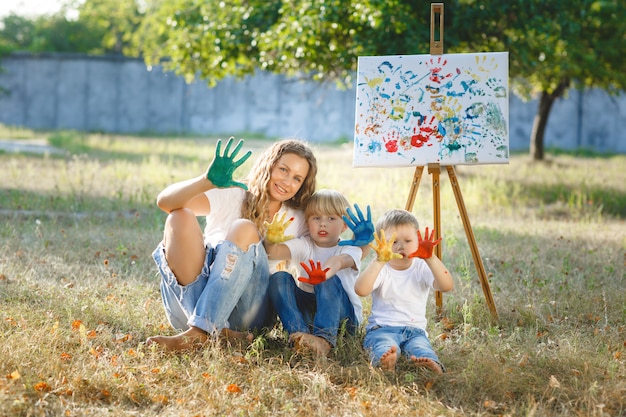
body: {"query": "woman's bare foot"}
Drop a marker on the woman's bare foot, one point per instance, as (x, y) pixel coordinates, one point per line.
(308, 342)
(389, 359)
(427, 363)
(191, 339)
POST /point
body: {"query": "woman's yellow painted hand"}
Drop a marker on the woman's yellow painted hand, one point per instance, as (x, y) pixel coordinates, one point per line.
(276, 229)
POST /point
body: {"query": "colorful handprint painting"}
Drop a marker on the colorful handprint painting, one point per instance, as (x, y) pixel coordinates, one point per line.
(450, 109)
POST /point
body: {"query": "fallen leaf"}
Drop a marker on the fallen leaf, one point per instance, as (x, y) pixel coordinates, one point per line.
(96, 352)
(489, 404)
(160, 399)
(233, 388)
(42, 387)
(14, 375)
(447, 324)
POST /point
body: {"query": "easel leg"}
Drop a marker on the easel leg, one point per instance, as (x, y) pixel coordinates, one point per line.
(414, 186)
(480, 269)
(434, 170)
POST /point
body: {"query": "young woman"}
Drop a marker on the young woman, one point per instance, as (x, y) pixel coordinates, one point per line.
(215, 283)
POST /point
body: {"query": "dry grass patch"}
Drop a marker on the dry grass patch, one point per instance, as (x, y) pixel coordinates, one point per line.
(79, 294)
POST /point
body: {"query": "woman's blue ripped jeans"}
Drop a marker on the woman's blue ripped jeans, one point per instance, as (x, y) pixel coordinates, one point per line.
(231, 291)
(411, 341)
(320, 313)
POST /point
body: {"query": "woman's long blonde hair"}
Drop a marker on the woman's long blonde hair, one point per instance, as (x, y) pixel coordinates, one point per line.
(256, 204)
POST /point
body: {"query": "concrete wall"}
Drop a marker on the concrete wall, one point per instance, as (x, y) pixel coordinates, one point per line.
(119, 95)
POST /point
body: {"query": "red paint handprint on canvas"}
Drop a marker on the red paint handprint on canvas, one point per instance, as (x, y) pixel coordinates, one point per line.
(391, 142)
(425, 130)
(437, 72)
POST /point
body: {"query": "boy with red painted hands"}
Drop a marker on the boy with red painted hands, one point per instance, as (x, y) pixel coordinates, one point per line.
(400, 279)
(312, 307)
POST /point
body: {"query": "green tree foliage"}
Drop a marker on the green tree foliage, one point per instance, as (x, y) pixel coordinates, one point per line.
(16, 32)
(205, 39)
(314, 38)
(115, 20)
(102, 27)
(323, 38)
(49, 34)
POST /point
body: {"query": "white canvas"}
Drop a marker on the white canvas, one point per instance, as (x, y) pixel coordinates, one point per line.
(450, 109)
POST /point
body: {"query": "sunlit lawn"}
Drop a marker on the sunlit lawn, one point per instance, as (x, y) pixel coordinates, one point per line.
(79, 292)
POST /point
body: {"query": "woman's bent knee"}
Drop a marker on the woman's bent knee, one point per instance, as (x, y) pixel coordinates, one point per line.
(243, 233)
(184, 245)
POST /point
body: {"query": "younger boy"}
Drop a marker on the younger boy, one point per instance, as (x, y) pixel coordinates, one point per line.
(399, 280)
(312, 309)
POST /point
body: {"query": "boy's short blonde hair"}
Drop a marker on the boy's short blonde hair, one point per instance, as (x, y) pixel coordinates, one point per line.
(326, 202)
(397, 217)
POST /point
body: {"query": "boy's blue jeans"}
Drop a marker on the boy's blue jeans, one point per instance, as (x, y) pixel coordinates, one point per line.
(230, 292)
(411, 341)
(320, 313)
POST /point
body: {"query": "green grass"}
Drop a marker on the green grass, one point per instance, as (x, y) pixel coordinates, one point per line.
(79, 292)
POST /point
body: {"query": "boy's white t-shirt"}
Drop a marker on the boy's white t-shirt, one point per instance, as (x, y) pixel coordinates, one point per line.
(304, 249)
(399, 297)
(226, 208)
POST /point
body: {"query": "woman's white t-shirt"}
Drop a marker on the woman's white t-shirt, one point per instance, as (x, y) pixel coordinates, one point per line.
(226, 206)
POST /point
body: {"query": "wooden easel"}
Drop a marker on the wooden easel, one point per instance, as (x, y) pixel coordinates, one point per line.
(436, 48)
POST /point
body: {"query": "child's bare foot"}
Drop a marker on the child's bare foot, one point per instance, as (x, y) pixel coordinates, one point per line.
(190, 339)
(427, 363)
(389, 359)
(308, 342)
(229, 336)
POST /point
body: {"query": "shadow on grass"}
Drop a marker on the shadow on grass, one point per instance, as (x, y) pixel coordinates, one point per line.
(168, 149)
(72, 208)
(576, 201)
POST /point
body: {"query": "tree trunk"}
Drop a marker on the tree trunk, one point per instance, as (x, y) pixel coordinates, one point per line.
(541, 119)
